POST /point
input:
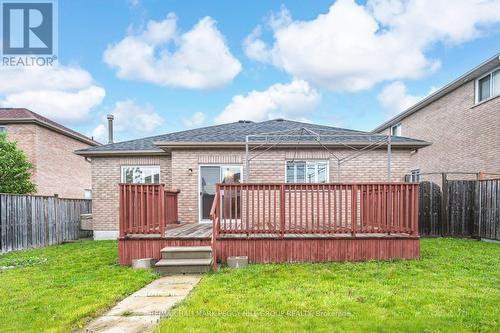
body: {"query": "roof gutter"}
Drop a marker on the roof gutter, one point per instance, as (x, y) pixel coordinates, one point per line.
(468, 76)
(103, 153)
(49, 126)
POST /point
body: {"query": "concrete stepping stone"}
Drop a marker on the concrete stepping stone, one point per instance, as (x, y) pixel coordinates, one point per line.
(142, 311)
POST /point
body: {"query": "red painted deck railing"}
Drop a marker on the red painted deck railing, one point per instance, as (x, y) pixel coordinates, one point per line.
(280, 209)
(146, 208)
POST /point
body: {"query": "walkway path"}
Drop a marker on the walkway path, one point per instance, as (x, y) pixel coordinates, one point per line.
(141, 311)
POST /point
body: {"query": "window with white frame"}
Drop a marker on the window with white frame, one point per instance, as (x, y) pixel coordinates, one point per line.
(140, 174)
(415, 176)
(3, 129)
(488, 86)
(396, 130)
(307, 171)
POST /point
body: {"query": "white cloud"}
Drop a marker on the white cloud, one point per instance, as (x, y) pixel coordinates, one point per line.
(295, 100)
(196, 59)
(62, 93)
(100, 133)
(196, 120)
(353, 47)
(255, 48)
(394, 98)
(130, 121)
(58, 105)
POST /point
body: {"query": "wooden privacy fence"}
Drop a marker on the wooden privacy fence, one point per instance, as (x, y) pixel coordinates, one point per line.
(37, 221)
(280, 209)
(463, 208)
(146, 208)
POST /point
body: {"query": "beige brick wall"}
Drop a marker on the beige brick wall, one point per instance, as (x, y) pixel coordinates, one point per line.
(25, 136)
(187, 183)
(57, 170)
(464, 136)
(266, 168)
(106, 173)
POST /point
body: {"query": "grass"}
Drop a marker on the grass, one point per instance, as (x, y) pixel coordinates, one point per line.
(455, 287)
(58, 288)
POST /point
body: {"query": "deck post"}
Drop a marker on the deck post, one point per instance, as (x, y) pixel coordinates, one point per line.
(122, 213)
(282, 210)
(389, 156)
(162, 214)
(354, 209)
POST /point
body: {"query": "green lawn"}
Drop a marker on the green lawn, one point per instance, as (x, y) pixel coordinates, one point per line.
(455, 287)
(56, 289)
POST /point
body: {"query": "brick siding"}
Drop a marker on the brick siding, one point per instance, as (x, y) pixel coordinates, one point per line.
(106, 174)
(57, 169)
(465, 137)
(269, 167)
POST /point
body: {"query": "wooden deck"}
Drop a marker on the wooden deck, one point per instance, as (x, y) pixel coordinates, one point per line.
(278, 222)
(204, 231)
(189, 230)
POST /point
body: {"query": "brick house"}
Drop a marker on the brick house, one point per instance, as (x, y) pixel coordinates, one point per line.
(193, 161)
(50, 147)
(461, 120)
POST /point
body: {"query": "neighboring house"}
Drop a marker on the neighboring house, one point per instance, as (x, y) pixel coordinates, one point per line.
(50, 147)
(193, 161)
(461, 120)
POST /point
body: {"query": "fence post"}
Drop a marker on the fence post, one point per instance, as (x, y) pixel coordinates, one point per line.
(282, 210)
(479, 207)
(444, 205)
(415, 200)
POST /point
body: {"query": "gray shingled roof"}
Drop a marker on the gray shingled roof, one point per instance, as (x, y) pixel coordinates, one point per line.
(237, 132)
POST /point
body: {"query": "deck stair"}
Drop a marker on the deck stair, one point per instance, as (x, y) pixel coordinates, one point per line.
(185, 259)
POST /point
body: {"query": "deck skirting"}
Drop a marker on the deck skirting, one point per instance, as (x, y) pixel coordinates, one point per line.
(268, 250)
(319, 249)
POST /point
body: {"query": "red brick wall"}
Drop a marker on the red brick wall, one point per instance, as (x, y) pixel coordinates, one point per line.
(57, 170)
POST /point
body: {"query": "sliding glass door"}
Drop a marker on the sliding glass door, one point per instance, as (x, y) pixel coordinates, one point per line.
(210, 175)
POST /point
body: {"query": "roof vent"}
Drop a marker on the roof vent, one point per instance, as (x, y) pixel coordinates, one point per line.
(280, 119)
(244, 121)
(110, 128)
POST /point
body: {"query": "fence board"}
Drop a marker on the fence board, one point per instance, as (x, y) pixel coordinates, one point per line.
(36, 221)
(430, 209)
(472, 208)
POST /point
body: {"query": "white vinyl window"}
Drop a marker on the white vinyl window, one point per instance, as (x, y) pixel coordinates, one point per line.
(396, 130)
(140, 174)
(3, 129)
(488, 86)
(307, 171)
(415, 176)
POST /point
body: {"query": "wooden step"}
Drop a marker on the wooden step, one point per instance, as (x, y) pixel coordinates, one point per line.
(186, 252)
(183, 266)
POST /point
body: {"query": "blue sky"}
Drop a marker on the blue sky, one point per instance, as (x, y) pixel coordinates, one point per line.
(301, 65)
